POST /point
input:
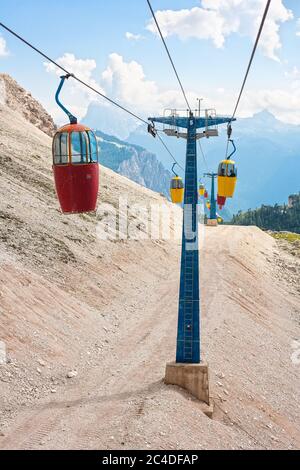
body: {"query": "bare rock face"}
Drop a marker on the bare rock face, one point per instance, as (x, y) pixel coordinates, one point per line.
(144, 168)
(134, 162)
(18, 99)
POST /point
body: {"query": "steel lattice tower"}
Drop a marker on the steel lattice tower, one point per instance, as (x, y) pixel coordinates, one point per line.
(188, 333)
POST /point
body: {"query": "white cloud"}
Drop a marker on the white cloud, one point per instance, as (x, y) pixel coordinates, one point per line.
(82, 68)
(127, 84)
(283, 103)
(218, 19)
(124, 82)
(133, 37)
(3, 48)
(195, 23)
(74, 93)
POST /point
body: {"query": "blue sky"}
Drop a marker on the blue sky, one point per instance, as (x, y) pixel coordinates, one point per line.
(96, 31)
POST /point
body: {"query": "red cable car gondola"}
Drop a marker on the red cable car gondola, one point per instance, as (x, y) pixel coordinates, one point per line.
(206, 194)
(75, 165)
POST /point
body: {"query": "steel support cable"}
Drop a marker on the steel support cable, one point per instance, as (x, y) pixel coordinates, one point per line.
(252, 56)
(71, 74)
(169, 55)
(262, 23)
(83, 83)
(169, 152)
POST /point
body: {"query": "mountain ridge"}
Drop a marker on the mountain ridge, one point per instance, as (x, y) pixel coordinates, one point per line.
(134, 162)
(18, 99)
(267, 158)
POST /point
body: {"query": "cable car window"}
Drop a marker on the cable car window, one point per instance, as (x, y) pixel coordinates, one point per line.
(176, 184)
(56, 150)
(61, 149)
(222, 169)
(84, 146)
(93, 147)
(78, 156)
(231, 171)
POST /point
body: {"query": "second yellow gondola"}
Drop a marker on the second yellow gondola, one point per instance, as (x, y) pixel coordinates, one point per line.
(227, 178)
(177, 190)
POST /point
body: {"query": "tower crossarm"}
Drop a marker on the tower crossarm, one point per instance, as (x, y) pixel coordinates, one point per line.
(173, 121)
(183, 122)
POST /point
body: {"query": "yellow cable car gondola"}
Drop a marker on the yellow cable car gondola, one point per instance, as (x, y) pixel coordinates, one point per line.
(176, 188)
(201, 189)
(227, 176)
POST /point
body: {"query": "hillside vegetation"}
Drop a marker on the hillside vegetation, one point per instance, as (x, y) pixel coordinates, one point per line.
(277, 218)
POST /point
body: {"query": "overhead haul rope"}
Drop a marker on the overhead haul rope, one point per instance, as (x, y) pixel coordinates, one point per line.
(252, 56)
(176, 73)
(169, 55)
(71, 74)
(248, 68)
(150, 127)
(170, 153)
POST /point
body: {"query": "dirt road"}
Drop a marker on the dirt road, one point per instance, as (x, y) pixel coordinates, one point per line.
(117, 398)
(89, 325)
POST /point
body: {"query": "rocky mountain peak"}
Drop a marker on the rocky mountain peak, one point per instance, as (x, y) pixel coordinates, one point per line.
(18, 99)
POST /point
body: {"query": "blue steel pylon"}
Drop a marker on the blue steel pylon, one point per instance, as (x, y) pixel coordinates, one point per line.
(188, 333)
(213, 202)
